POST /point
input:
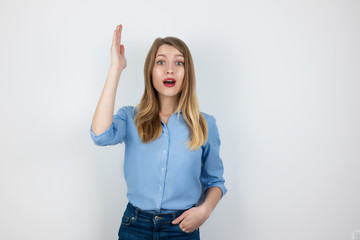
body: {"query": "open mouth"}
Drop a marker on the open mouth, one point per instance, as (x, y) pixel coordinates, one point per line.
(169, 82)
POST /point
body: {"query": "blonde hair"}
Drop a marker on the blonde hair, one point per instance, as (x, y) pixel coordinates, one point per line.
(147, 120)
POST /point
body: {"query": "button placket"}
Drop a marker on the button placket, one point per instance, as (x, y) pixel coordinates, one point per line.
(164, 160)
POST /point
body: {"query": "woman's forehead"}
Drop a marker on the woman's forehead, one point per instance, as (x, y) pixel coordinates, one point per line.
(168, 50)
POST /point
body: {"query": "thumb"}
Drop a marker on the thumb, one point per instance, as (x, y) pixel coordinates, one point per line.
(122, 49)
(178, 219)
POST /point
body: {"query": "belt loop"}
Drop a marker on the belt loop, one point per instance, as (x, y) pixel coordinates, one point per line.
(173, 215)
(136, 210)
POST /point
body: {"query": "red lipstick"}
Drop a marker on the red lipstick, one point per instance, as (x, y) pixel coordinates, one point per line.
(169, 82)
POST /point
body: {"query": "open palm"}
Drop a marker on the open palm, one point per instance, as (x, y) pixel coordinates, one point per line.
(117, 50)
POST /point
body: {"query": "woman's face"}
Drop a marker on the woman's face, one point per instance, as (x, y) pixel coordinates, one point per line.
(169, 63)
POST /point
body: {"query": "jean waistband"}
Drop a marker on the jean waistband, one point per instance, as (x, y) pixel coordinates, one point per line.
(135, 211)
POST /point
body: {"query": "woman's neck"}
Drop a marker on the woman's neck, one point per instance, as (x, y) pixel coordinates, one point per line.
(168, 105)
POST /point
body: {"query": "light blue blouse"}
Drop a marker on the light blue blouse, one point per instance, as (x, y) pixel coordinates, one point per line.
(163, 175)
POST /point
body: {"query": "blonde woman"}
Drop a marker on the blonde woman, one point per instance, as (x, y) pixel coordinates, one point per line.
(172, 167)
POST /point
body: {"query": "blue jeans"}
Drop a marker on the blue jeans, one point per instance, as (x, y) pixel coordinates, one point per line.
(141, 225)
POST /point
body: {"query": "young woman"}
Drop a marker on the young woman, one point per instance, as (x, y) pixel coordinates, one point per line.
(172, 167)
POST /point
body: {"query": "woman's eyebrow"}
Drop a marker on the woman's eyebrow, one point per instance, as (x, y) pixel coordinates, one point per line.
(180, 55)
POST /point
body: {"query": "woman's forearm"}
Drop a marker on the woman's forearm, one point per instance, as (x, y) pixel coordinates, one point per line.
(104, 112)
(212, 198)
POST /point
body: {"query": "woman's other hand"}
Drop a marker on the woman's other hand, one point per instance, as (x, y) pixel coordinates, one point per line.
(192, 218)
(117, 50)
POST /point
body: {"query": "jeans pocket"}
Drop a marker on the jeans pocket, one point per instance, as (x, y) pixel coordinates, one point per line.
(179, 228)
(127, 218)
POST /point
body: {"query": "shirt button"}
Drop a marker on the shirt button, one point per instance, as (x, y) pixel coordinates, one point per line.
(163, 169)
(164, 151)
(157, 205)
(160, 187)
(165, 135)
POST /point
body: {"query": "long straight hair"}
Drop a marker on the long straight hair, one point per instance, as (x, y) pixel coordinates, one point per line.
(147, 120)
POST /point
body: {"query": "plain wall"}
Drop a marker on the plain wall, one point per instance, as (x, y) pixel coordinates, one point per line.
(282, 78)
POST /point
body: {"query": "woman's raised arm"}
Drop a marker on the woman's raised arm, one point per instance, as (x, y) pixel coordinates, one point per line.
(104, 112)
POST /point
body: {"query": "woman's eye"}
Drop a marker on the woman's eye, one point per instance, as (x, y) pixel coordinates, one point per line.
(177, 63)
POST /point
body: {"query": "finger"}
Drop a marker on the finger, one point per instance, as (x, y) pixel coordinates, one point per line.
(115, 36)
(179, 219)
(122, 49)
(184, 229)
(119, 35)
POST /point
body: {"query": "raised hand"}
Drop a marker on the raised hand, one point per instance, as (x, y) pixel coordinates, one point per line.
(117, 50)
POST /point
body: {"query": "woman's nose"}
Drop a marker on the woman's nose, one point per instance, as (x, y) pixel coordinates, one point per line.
(170, 69)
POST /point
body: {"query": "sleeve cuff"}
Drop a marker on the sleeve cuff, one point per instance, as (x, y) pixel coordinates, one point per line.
(219, 185)
(99, 139)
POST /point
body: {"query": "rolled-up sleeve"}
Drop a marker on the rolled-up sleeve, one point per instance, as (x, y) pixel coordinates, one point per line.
(115, 133)
(213, 169)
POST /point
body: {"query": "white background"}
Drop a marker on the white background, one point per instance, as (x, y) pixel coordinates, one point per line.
(282, 78)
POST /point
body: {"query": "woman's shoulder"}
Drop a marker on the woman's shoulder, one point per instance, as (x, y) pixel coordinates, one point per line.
(128, 110)
(208, 117)
(212, 126)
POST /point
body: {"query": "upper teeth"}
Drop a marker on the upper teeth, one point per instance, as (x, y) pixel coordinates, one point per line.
(169, 81)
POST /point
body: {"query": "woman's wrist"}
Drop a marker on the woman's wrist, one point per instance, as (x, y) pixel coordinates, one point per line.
(115, 68)
(207, 209)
